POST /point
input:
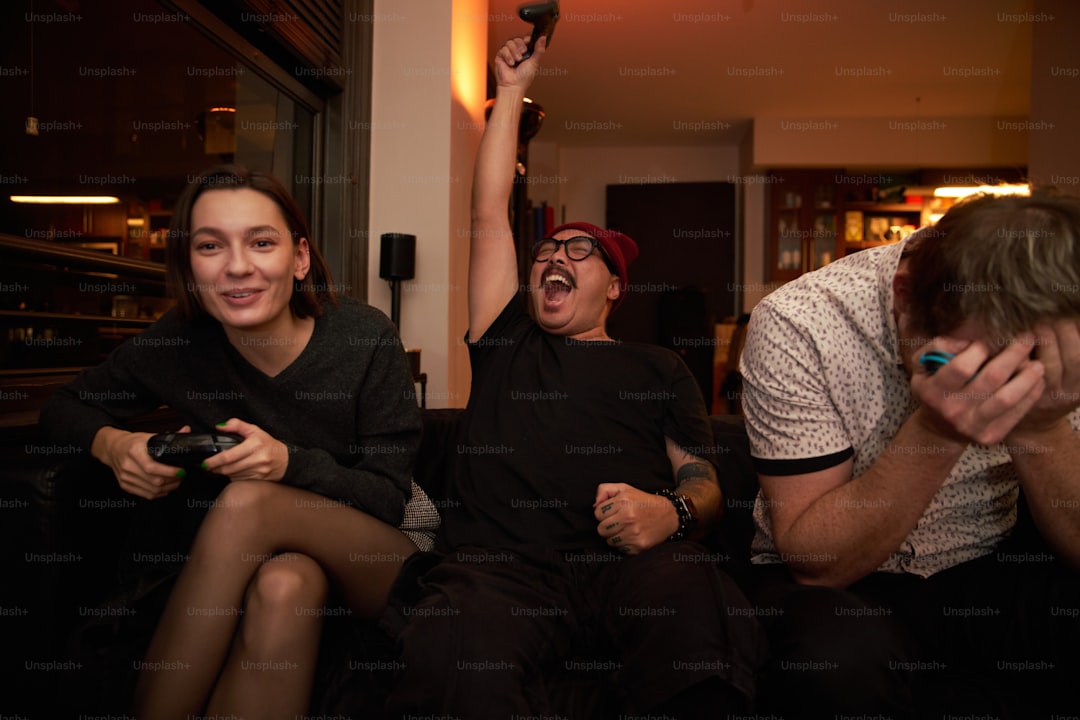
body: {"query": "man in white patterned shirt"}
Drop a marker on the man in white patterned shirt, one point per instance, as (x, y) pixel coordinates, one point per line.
(892, 571)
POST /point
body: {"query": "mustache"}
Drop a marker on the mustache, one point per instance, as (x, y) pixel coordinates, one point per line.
(556, 270)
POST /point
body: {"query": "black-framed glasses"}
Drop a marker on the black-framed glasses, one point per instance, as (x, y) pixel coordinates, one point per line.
(577, 248)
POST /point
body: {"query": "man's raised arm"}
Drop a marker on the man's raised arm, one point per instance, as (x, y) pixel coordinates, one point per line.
(493, 275)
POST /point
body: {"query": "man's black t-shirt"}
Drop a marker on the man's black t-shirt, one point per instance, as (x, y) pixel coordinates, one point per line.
(549, 419)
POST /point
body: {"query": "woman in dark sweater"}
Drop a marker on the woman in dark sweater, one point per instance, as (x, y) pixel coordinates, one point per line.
(319, 388)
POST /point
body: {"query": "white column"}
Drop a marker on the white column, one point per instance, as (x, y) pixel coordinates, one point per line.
(429, 70)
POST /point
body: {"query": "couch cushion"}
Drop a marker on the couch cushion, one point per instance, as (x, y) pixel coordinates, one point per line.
(738, 482)
(432, 470)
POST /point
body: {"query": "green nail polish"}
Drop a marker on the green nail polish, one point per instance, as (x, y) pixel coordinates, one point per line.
(203, 465)
(181, 473)
(222, 424)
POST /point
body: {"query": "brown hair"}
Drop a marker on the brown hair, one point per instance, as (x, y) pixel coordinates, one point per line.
(1006, 261)
(309, 294)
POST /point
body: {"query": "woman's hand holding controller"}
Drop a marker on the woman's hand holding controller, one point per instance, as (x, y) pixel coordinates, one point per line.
(136, 472)
(259, 457)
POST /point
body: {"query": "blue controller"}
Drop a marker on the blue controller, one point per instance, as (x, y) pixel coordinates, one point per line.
(934, 360)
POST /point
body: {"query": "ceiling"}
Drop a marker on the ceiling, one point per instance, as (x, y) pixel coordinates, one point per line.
(696, 72)
(619, 73)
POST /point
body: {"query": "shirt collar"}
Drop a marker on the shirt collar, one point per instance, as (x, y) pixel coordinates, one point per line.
(890, 263)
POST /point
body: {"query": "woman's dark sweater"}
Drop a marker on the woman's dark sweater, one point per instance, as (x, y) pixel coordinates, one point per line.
(346, 405)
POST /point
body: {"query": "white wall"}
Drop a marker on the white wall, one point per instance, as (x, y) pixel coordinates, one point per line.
(588, 172)
(753, 283)
(429, 72)
(1055, 97)
(890, 142)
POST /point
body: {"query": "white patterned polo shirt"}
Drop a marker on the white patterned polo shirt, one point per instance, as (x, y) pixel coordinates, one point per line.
(824, 381)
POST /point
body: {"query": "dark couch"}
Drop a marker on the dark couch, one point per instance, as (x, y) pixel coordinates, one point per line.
(92, 566)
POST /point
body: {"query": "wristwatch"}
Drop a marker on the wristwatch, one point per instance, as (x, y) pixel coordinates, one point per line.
(688, 516)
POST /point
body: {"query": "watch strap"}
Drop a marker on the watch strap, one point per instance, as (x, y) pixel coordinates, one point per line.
(687, 521)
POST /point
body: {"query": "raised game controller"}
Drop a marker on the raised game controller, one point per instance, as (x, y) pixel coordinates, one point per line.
(543, 17)
(189, 450)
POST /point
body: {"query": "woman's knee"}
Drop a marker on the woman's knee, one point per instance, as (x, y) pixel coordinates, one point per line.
(285, 582)
(283, 608)
(240, 509)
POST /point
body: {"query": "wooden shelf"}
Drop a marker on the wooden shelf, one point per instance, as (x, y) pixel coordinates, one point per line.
(45, 252)
(806, 204)
(884, 208)
(65, 294)
(71, 316)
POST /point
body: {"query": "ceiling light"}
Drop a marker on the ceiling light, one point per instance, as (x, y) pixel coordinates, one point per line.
(65, 199)
(964, 191)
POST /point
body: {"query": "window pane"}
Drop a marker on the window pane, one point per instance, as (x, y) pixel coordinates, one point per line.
(130, 99)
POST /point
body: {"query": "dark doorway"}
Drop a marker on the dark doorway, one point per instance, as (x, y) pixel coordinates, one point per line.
(684, 280)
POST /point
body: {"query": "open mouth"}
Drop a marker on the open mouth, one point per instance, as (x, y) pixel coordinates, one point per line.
(556, 286)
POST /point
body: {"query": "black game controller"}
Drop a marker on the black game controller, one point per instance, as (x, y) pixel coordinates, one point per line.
(543, 17)
(189, 450)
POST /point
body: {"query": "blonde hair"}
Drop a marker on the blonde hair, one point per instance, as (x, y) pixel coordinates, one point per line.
(1005, 261)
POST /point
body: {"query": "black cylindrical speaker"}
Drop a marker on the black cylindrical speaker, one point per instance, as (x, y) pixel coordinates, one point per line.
(397, 256)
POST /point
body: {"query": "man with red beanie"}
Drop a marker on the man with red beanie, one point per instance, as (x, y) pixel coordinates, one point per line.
(583, 481)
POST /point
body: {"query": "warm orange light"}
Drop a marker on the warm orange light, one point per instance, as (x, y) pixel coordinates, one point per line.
(964, 191)
(65, 199)
(468, 62)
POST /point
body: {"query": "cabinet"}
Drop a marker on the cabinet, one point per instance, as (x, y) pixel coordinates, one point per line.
(816, 216)
(63, 309)
(803, 222)
(868, 224)
(146, 235)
